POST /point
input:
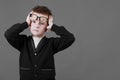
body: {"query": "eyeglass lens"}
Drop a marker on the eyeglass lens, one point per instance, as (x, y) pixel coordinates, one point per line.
(34, 17)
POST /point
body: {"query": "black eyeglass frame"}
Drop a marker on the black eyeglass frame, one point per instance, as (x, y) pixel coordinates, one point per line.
(40, 17)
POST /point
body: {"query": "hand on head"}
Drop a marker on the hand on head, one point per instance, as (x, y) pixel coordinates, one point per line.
(50, 23)
(28, 19)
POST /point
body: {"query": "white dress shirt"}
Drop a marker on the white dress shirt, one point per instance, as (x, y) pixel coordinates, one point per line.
(36, 40)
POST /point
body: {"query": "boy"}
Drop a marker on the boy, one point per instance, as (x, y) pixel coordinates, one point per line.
(37, 51)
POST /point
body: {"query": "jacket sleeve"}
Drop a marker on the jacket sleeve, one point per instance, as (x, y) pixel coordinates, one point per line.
(13, 35)
(65, 40)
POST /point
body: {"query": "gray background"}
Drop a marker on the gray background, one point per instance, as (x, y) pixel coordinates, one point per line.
(95, 54)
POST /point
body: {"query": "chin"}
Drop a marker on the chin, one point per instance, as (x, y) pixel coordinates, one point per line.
(37, 35)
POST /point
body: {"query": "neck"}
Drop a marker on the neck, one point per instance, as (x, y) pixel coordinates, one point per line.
(38, 36)
(37, 39)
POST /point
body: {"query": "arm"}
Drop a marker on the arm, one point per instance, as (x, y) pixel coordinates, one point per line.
(13, 35)
(65, 40)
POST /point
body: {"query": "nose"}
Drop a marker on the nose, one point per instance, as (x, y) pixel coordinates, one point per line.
(36, 23)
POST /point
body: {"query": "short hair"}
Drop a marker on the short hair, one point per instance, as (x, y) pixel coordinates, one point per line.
(42, 9)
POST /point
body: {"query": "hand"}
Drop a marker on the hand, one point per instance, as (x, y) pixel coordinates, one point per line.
(28, 19)
(50, 23)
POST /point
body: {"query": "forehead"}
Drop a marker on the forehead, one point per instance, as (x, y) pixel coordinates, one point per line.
(40, 15)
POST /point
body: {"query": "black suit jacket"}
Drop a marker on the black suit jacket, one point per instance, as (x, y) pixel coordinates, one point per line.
(38, 63)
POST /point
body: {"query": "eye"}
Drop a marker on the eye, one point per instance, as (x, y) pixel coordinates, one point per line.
(41, 23)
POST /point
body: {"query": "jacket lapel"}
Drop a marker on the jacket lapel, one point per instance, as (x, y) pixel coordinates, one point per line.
(40, 44)
(31, 50)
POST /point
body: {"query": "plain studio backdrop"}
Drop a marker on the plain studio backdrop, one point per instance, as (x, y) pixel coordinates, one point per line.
(95, 55)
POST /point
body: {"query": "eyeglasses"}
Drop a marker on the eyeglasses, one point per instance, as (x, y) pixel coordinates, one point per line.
(42, 20)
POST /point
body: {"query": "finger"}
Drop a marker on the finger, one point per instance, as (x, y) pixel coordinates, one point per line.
(50, 19)
(31, 12)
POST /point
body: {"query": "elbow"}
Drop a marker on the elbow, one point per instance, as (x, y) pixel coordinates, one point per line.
(6, 34)
(72, 38)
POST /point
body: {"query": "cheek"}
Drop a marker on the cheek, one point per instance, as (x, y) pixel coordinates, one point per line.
(30, 28)
(32, 24)
(43, 27)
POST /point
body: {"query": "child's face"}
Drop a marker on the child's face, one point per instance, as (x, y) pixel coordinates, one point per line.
(39, 24)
